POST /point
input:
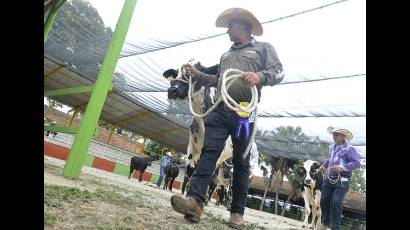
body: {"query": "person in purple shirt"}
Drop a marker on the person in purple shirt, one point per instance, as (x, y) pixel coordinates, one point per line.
(342, 160)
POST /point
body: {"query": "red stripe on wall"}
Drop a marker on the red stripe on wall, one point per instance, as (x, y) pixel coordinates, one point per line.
(176, 184)
(145, 177)
(56, 151)
(103, 164)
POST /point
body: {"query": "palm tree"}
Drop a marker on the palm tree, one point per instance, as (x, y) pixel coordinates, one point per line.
(275, 179)
(287, 137)
(280, 170)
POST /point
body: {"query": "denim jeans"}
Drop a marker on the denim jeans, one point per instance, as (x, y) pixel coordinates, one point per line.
(219, 124)
(331, 202)
(161, 175)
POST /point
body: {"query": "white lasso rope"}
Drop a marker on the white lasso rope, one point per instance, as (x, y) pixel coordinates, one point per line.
(227, 81)
(326, 174)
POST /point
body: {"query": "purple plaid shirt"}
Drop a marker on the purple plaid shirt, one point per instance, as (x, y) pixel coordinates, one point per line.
(344, 155)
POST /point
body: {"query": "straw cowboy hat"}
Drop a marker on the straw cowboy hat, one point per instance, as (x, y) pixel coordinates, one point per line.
(347, 133)
(241, 14)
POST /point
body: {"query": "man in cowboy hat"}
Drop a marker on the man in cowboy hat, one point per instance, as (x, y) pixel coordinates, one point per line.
(261, 66)
(163, 162)
(343, 158)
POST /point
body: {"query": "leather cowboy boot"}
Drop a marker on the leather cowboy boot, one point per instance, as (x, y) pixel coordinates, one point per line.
(187, 206)
(236, 220)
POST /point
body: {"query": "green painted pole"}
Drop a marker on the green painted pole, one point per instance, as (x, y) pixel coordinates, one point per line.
(51, 16)
(79, 149)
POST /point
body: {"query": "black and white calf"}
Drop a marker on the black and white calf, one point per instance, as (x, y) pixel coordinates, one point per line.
(221, 180)
(171, 172)
(311, 191)
(202, 100)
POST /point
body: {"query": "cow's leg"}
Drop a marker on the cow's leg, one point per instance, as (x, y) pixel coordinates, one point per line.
(131, 171)
(307, 207)
(170, 184)
(221, 194)
(184, 184)
(140, 179)
(318, 211)
(314, 211)
(206, 196)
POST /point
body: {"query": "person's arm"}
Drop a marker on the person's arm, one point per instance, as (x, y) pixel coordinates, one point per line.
(203, 78)
(354, 161)
(207, 79)
(273, 73)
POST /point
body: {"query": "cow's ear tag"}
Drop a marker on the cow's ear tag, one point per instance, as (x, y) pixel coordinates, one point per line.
(243, 114)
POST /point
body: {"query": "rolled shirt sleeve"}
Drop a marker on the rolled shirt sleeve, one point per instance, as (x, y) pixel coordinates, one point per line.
(273, 73)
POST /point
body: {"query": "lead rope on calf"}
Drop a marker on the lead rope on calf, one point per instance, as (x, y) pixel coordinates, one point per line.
(227, 81)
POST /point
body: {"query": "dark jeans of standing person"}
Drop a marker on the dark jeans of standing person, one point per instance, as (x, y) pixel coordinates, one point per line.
(161, 176)
(331, 203)
(219, 124)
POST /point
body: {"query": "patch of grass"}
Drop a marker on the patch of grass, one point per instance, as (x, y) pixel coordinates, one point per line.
(66, 194)
(55, 195)
(217, 222)
(49, 218)
(118, 199)
(128, 219)
(93, 181)
(181, 228)
(253, 226)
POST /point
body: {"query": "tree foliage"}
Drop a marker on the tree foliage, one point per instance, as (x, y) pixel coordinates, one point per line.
(358, 181)
(79, 37)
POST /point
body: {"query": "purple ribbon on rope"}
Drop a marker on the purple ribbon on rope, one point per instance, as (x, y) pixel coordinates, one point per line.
(242, 122)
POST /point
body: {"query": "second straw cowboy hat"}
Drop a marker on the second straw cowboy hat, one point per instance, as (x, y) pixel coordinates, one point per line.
(242, 14)
(347, 133)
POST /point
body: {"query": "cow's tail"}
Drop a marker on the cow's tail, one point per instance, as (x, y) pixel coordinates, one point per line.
(131, 170)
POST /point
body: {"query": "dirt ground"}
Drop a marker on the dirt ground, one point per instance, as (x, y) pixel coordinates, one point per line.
(103, 200)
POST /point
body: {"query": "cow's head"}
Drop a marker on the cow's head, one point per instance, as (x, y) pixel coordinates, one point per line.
(179, 86)
(311, 173)
(149, 160)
